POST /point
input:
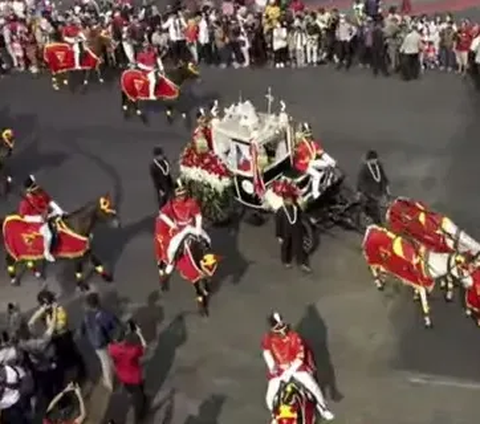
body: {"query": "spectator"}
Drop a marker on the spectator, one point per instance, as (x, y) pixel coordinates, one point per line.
(410, 50)
(13, 401)
(126, 351)
(98, 325)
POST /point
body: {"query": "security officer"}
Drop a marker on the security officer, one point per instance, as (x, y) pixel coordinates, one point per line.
(162, 180)
(373, 186)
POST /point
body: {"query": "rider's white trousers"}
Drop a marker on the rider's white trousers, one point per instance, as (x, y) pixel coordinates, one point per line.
(76, 54)
(47, 238)
(129, 51)
(151, 84)
(302, 377)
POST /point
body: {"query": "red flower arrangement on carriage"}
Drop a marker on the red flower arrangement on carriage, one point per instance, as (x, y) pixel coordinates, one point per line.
(204, 167)
(279, 190)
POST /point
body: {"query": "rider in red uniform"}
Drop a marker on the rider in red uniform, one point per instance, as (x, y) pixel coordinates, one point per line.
(149, 62)
(72, 34)
(287, 357)
(310, 158)
(37, 207)
(180, 216)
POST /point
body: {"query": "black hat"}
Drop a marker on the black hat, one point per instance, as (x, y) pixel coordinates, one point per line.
(158, 151)
(276, 322)
(201, 113)
(30, 183)
(371, 155)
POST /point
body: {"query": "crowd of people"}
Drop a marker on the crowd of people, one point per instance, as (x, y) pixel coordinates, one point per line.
(42, 370)
(240, 34)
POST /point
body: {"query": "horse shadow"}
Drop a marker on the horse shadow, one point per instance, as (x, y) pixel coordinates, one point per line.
(233, 265)
(187, 102)
(31, 159)
(314, 330)
(109, 243)
(209, 411)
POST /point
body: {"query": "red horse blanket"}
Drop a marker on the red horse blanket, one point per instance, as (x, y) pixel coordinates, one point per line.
(413, 219)
(397, 256)
(185, 264)
(135, 85)
(23, 240)
(59, 58)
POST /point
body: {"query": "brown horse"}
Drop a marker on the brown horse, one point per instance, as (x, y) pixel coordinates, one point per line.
(59, 58)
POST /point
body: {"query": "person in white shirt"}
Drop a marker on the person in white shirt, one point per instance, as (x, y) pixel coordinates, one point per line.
(280, 44)
(204, 40)
(12, 406)
(176, 25)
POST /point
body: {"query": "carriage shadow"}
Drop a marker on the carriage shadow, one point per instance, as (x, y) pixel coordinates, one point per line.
(314, 330)
(233, 264)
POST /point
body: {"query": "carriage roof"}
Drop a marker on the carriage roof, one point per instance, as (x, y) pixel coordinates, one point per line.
(243, 123)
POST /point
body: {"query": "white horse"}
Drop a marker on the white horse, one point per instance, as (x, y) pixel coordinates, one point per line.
(387, 253)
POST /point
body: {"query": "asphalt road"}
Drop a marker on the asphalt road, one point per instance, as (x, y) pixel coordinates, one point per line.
(376, 359)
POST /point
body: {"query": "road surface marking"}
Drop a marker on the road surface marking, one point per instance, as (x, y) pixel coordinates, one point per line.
(431, 380)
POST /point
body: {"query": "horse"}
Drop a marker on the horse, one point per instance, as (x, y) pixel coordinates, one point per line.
(293, 405)
(431, 229)
(135, 88)
(7, 144)
(60, 59)
(195, 262)
(72, 234)
(387, 253)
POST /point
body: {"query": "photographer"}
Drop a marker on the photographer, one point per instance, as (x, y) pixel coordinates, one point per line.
(69, 358)
(126, 352)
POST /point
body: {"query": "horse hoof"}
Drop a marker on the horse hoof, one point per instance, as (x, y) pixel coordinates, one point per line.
(56, 87)
(428, 323)
(39, 275)
(101, 80)
(139, 112)
(468, 312)
(14, 282)
(125, 108)
(449, 298)
(184, 115)
(107, 277)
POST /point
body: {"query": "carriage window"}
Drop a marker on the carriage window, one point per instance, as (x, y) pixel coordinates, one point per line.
(277, 149)
(240, 157)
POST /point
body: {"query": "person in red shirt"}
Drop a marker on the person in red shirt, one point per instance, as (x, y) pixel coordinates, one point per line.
(288, 357)
(149, 62)
(126, 352)
(297, 6)
(37, 206)
(72, 34)
(463, 40)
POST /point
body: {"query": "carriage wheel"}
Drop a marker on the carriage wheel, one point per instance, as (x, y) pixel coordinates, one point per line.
(310, 237)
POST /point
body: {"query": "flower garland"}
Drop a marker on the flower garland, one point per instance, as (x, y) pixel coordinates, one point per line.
(205, 168)
(278, 191)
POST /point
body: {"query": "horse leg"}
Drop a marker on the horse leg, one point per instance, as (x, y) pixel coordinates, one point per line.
(99, 75)
(125, 105)
(138, 110)
(86, 76)
(37, 268)
(164, 277)
(202, 298)
(82, 285)
(449, 290)
(169, 110)
(422, 292)
(11, 269)
(377, 278)
(100, 269)
(55, 84)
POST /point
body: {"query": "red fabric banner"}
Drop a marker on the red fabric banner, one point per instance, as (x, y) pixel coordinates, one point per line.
(135, 85)
(59, 58)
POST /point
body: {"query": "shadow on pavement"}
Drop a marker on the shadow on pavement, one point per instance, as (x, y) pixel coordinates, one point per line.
(314, 330)
(208, 412)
